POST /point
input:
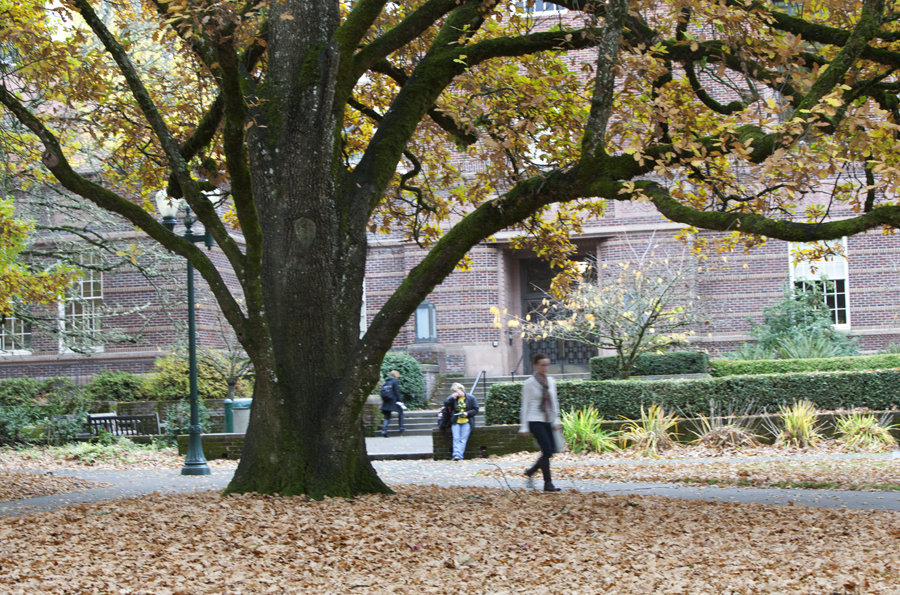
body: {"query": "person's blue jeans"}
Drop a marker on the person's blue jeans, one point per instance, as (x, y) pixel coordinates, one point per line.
(460, 437)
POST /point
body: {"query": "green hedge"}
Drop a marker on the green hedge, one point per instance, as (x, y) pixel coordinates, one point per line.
(412, 380)
(722, 368)
(878, 390)
(651, 364)
(24, 391)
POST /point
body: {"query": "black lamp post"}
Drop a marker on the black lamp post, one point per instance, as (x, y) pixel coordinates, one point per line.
(195, 460)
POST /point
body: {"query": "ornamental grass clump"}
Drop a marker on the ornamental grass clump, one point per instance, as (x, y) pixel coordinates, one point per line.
(653, 433)
(725, 431)
(862, 431)
(800, 425)
(583, 431)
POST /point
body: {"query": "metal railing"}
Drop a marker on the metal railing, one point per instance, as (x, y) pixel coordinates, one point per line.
(481, 375)
(516, 369)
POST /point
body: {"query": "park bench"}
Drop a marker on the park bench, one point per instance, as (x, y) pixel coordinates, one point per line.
(124, 425)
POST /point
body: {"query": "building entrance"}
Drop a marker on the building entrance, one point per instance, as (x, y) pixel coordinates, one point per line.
(565, 356)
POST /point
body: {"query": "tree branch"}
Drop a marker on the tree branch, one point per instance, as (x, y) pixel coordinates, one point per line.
(593, 144)
(55, 161)
(416, 23)
(447, 123)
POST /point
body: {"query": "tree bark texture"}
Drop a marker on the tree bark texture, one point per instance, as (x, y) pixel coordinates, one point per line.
(306, 434)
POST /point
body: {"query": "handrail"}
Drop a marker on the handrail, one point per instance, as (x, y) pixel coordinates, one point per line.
(477, 380)
(513, 373)
(481, 375)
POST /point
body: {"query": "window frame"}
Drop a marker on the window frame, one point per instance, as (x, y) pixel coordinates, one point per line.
(94, 317)
(26, 332)
(817, 278)
(533, 9)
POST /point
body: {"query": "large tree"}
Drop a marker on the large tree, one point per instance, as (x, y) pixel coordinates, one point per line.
(326, 120)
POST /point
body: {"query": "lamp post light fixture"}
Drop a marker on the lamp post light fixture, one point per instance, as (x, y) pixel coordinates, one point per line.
(195, 460)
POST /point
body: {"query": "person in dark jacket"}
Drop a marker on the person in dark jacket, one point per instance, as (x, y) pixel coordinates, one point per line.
(463, 409)
(391, 401)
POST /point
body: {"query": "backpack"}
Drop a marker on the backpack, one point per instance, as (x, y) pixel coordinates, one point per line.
(386, 392)
(444, 417)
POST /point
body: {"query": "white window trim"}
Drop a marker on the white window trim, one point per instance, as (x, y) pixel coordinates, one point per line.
(63, 318)
(558, 10)
(12, 352)
(793, 246)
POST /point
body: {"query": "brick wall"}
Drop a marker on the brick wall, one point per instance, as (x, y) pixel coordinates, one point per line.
(484, 441)
(216, 446)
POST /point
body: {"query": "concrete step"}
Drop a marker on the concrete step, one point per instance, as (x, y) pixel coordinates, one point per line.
(392, 432)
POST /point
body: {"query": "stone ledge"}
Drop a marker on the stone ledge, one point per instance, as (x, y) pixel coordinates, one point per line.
(483, 442)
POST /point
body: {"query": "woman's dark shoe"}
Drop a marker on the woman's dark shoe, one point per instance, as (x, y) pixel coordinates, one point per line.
(549, 487)
(529, 480)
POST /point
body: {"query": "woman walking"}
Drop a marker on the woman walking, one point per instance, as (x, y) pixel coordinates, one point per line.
(540, 417)
(463, 407)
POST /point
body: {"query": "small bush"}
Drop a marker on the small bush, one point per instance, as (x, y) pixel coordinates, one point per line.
(14, 419)
(808, 347)
(652, 364)
(861, 431)
(583, 431)
(751, 351)
(19, 391)
(115, 385)
(60, 424)
(412, 380)
(178, 420)
(653, 433)
(800, 425)
(891, 348)
(62, 429)
(170, 381)
(725, 431)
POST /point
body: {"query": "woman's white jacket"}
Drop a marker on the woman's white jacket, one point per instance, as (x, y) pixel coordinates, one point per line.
(532, 397)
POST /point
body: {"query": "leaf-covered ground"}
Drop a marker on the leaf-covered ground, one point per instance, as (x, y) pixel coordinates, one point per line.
(124, 455)
(448, 540)
(19, 486)
(845, 474)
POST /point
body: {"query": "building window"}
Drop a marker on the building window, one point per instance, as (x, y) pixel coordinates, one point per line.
(540, 6)
(15, 336)
(827, 276)
(426, 323)
(80, 316)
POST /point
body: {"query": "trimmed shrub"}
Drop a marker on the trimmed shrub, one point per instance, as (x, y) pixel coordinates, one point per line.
(19, 391)
(720, 368)
(877, 390)
(652, 364)
(115, 385)
(30, 391)
(412, 380)
(171, 381)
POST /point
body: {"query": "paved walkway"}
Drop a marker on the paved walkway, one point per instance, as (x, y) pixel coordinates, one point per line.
(399, 447)
(127, 484)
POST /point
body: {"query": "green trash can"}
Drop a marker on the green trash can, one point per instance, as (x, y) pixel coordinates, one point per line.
(240, 410)
(228, 404)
